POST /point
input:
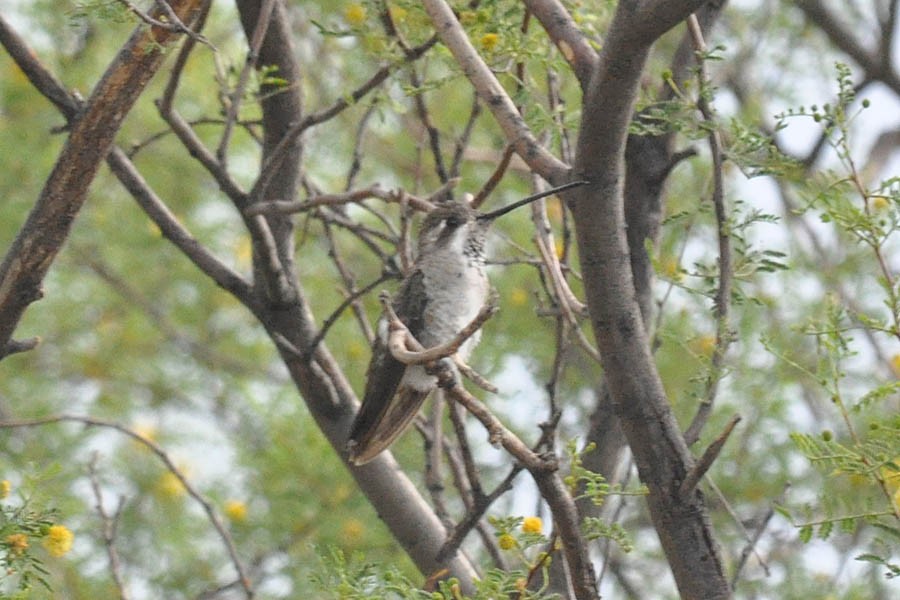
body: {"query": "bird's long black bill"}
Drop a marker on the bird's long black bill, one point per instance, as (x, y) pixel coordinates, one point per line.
(502, 211)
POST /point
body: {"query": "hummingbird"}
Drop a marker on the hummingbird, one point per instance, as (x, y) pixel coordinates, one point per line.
(444, 291)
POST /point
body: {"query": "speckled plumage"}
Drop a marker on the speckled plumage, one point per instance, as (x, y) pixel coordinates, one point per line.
(442, 294)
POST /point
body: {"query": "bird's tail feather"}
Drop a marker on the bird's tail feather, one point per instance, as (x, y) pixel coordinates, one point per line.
(368, 441)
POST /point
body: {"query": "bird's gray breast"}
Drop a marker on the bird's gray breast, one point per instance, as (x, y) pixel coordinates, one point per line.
(457, 289)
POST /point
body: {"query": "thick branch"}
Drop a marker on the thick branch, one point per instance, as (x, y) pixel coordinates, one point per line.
(492, 93)
(637, 392)
(40, 239)
(290, 322)
(873, 61)
(574, 46)
(122, 167)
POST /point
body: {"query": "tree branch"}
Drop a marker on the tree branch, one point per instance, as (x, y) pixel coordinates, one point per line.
(41, 237)
(637, 392)
(169, 464)
(575, 47)
(723, 292)
(493, 95)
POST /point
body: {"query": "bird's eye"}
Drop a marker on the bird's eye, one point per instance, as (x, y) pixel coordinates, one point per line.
(453, 221)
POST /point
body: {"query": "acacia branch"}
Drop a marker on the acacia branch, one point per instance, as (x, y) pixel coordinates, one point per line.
(49, 222)
(122, 167)
(492, 94)
(544, 469)
(287, 207)
(110, 525)
(636, 389)
(169, 464)
(575, 47)
(723, 292)
(398, 340)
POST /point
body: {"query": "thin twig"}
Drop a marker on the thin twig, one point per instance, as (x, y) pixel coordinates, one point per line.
(170, 465)
(351, 298)
(709, 456)
(434, 477)
(400, 338)
(278, 153)
(462, 142)
(493, 94)
(181, 61)
(723, 292)
(110, 525)
(284, 207)
(172, 22)
(237, 95)
(476, 513)
(496, 176)
(750, 547)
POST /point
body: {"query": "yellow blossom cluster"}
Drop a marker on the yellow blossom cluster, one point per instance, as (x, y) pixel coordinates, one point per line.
(355, 14)
(17, 543)
(59, 540)
(532, 525)
(236, 511)
(506, 542)
(489, 41)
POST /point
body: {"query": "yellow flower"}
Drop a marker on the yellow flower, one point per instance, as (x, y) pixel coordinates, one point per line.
(352, 530)
(489, 41)
(671, 269)
(144, 431)
(398, 13)
(703, 345)
(506, 541)
(154, 229)
(891, 476)
(355, 14)
(58, 540)
(236, 511)
(518, 297)
(5, 486)
(17, 543)
(169, 485)
(880, 203)
(356, 350)
(532, 525)
(554, 210)
(243, 252)
(895, 364)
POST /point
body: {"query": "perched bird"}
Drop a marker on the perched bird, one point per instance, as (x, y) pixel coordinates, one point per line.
(445, 290)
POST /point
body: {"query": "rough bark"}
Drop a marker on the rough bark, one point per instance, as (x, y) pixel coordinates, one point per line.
(47, 227)
(648, 161)
(639, 400)
(288, 318)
